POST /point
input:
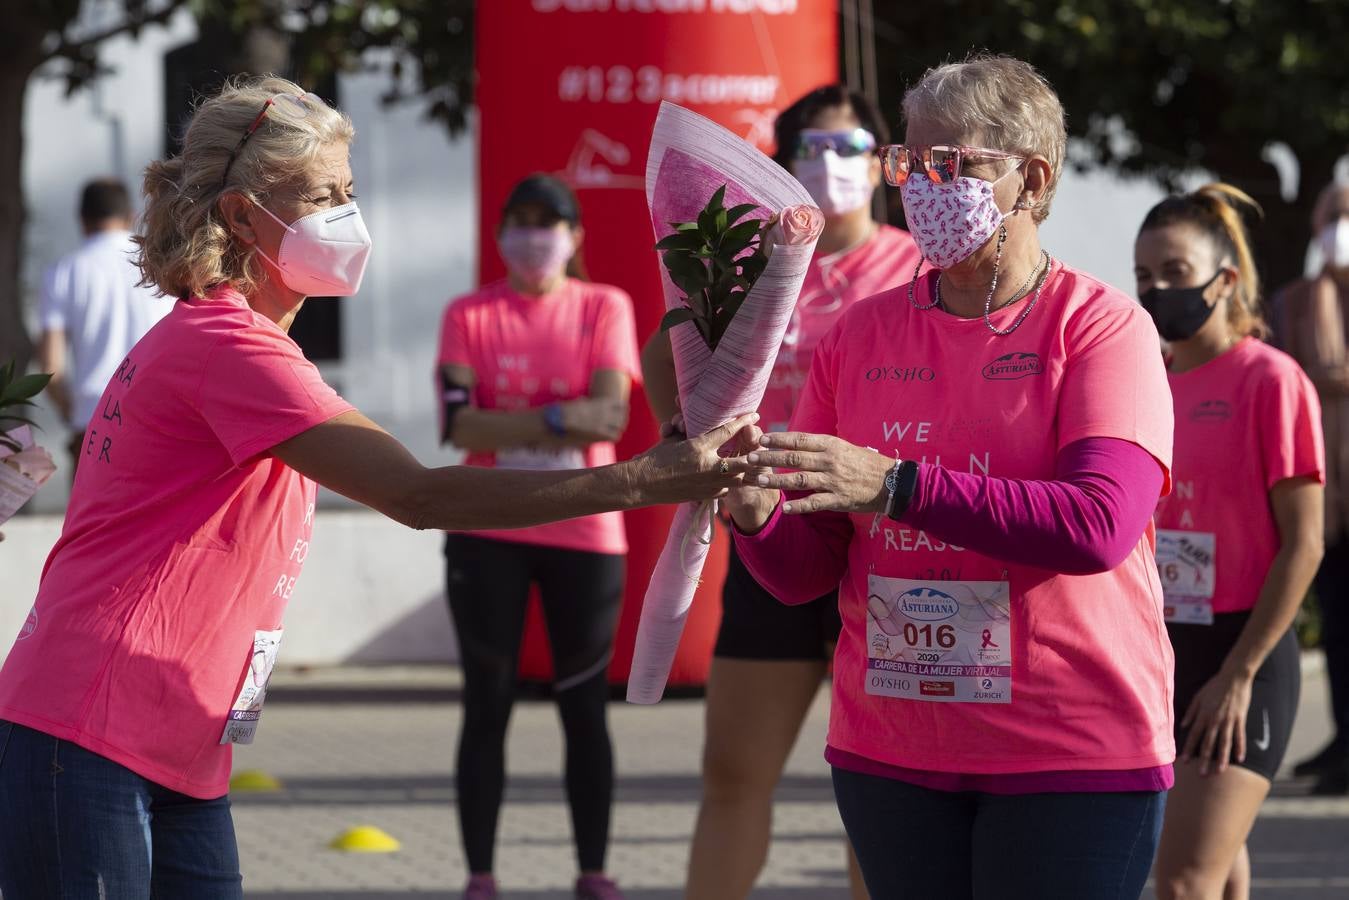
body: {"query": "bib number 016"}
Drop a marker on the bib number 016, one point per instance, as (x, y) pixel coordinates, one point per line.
(943, 636)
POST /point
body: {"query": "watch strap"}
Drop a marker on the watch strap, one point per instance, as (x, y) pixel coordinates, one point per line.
(902, 484)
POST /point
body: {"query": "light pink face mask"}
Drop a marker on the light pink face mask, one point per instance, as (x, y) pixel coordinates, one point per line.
(536, 254)
(950, 221)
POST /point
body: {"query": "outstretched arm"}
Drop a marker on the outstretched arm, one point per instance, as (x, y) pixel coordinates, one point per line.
(356, 458)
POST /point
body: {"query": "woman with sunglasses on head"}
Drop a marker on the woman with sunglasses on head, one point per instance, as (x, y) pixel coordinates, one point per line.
(770, 659)
(980, 452)
(1239, 539)
(535, 372)
(158, 618)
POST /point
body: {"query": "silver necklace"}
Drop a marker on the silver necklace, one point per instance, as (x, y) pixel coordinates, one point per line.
(1042, 268)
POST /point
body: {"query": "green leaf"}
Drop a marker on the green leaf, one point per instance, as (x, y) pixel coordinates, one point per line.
(707, 224)
(24, 387)
(676, 317)
(687, 272)
(682, 240)
(17, 420)
(684, 226)
(742, 235)
(718, 199)
(736, 213)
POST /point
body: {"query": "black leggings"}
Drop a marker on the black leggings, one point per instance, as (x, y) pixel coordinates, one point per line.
(488, 585)
(1332, 594)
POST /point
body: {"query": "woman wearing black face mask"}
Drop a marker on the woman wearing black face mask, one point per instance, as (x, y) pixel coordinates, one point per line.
(1239, 538)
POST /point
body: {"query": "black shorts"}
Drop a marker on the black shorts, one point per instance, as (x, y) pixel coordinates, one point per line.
(756, 625)
(1200, 651)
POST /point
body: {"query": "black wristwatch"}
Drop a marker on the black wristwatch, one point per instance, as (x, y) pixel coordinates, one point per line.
(900, 484)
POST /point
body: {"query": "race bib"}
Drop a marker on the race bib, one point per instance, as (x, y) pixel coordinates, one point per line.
(541, 459)
(1186, 566)
(247, 709)
(944, 641)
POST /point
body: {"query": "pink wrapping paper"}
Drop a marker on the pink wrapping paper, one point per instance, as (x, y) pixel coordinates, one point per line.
(690, 158)
(21, 473)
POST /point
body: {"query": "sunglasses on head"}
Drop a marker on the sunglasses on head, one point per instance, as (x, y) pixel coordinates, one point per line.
(296, 106)
(942, 163)
(812, 142)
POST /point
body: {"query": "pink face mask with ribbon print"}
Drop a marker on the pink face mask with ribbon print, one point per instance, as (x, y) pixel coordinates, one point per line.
(950, 221)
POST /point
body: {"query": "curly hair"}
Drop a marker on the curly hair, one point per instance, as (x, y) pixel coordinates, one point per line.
(185, 246)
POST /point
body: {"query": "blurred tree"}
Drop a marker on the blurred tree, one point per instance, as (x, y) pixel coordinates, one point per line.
(1154, 88)
(1164, 88)
(427, 48)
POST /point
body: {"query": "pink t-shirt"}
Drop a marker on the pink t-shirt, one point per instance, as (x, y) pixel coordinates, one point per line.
(528, 352)
(1088, 656)
(834, 282)
(163, 597)
(1244, 421)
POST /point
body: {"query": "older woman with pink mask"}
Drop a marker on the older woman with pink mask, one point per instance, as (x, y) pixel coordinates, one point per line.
(979, 453)
(535, 372)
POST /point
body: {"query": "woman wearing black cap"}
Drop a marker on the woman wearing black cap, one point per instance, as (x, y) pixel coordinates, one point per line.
(534, 373)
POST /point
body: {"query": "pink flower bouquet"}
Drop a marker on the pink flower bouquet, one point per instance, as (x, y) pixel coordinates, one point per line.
(737, 233)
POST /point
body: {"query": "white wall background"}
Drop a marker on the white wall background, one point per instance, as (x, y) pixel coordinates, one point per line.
(371, 589)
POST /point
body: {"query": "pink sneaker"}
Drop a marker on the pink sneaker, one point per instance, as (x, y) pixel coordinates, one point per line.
(480, 887)
(597, 887)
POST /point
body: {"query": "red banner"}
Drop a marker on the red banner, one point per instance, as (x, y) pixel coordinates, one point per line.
(571, 87)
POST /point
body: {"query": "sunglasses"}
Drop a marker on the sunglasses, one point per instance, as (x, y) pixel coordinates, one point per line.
(292, 105)
(942, 163)
(812, 142)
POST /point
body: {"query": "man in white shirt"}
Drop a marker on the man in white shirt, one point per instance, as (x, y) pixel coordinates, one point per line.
(92, 309)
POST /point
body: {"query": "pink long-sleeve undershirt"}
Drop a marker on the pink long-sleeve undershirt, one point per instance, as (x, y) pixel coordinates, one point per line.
(1087, 519)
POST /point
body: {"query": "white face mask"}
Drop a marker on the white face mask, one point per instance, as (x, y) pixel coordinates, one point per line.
(322, 254)
(1334, 241)
(837, 184)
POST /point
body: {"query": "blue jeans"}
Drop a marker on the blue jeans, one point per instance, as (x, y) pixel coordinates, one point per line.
(76, 825)
(913, 842)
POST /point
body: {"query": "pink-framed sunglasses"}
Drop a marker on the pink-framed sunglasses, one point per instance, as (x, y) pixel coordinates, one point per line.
(942, 163)
(294, 106)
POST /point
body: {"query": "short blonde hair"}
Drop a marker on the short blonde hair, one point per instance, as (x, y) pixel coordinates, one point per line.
(185, 248)
(996, 102)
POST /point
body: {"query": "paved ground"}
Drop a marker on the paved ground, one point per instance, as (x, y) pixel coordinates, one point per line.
(358, 747)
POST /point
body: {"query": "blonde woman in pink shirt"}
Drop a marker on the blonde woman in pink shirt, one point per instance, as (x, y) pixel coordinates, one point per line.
(974, 462)
(535, 372)
(146, 655)
(1239, 539)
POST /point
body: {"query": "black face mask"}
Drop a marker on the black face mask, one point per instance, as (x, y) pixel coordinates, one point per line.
(1178, 312)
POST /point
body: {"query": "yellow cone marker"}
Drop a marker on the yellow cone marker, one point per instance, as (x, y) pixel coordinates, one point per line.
(365, 839)
(254, 780)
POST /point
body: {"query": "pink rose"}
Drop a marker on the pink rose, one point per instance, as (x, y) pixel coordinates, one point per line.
(800, 224)
(35, 464)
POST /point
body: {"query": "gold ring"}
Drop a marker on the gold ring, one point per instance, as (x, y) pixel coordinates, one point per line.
(725, 467)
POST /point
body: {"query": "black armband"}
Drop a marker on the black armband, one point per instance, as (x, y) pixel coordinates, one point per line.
(453, 398)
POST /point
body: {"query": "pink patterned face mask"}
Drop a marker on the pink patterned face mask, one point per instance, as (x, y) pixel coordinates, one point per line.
(951, 221)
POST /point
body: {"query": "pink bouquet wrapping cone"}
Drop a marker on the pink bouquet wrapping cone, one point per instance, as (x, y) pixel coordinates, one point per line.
(690, 158)
(22, 472)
